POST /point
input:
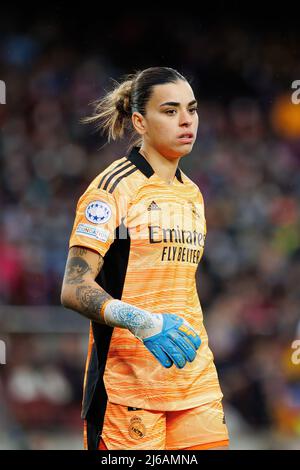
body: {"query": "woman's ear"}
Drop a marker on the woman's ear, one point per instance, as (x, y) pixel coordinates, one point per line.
(139, 123)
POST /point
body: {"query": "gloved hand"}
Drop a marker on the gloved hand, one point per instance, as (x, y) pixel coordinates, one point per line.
(176, 343)
(170, 338)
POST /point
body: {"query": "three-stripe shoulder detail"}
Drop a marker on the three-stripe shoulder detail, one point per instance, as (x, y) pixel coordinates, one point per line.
(112, 174)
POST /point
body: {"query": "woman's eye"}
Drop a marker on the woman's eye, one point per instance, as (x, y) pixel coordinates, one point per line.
(171, 112)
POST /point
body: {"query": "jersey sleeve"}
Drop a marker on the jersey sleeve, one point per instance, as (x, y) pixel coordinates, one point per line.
(97, 217)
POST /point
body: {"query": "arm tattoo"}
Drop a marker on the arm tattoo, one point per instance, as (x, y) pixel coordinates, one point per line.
(100, 264)
(76, 269)
(131, 317)
(79, 251)
(90, 300)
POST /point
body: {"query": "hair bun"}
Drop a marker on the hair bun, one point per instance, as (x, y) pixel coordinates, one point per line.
(123, 106)
(123, 97)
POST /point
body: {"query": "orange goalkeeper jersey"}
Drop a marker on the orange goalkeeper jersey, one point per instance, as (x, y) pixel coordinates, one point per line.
(151, 235)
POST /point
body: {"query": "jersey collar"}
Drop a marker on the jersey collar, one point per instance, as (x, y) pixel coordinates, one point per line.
(142, 164)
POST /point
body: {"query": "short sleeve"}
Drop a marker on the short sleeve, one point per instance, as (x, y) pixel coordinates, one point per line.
(96, 221)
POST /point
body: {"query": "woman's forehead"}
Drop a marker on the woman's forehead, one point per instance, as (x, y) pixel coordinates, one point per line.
(179, 92)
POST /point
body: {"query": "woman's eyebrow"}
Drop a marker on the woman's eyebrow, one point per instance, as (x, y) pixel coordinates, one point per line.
(175, 103)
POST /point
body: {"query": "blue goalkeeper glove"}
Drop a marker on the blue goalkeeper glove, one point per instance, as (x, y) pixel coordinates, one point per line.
(170, 338)
(176, 343)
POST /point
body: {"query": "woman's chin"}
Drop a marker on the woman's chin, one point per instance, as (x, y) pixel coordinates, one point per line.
(183, 149)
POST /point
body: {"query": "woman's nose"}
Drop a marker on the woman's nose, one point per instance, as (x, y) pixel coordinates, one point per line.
(185, 118)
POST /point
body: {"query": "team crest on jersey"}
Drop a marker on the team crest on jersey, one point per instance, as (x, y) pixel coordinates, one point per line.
(137, 429)
(98, 212)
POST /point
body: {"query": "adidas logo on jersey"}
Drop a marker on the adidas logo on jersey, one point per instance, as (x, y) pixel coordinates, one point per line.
(153, 206)
(194, 211)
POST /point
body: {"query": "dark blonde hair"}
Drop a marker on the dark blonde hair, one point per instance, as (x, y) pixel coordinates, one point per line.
(112, 113)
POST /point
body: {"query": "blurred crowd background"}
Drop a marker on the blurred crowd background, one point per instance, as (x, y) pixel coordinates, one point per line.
(246, 162)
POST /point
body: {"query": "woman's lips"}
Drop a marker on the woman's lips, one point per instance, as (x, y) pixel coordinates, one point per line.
(186, 138)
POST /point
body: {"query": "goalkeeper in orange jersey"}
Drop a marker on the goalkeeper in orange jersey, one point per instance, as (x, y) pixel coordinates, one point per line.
(137, 239)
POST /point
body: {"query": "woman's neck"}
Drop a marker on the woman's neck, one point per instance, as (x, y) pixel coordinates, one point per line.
(165, 168)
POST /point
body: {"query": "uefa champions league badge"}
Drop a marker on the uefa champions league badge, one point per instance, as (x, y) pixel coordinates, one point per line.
(98, 212)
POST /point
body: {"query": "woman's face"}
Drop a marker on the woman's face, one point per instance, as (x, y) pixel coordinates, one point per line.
(171, 119)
